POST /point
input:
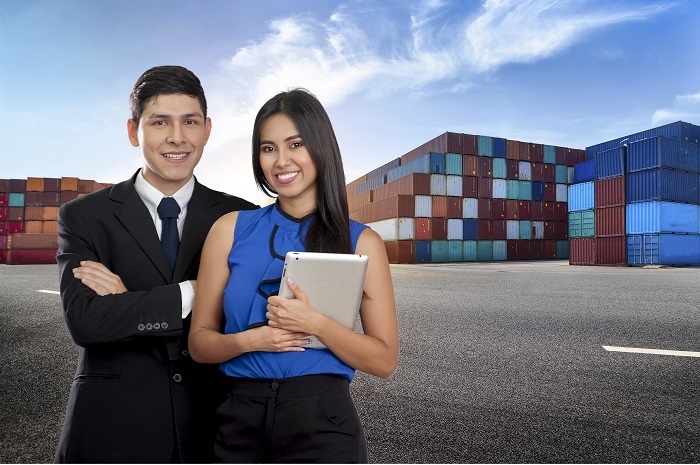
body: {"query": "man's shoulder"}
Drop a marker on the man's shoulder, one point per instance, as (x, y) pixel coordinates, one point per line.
(225, 200)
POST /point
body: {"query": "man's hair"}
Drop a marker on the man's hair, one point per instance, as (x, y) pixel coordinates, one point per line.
(329, 230)
(164, 80)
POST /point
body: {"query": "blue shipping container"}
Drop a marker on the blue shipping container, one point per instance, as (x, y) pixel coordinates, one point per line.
(663, 184)
(584, 171)
(662, 217)
(384, 168)
(581, 196)
(422, 251)
(469, 229)
(662, 152)
(610, 163)
(499, 147)
(437, 163)
(679, 130)
(419, 165)
(537, 191)
(663, 249)
(371, 184)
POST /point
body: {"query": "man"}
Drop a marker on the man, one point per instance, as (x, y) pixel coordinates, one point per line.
(137, 395)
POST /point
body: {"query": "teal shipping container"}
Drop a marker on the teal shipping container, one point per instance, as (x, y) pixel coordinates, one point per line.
(469, 251)
(581, 196)
(663, 249)
(419, 165)
(15, 199)
(526, 229)
(453, 164)
(438, 252)
(512, 189)
(524, 190)
(499, 168)
(484, 251)
(561, 175)
(455, 252)
(581, 224)
(500, 250)
(485, 146)
(562, 249)
(662, 217)
(550, 154)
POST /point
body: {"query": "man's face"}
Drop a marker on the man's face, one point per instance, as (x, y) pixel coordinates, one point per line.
(172, 133)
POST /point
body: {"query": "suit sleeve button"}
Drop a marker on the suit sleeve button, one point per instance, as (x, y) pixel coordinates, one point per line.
(156, 326)
(177, 377)
(164, 325)
(149, 326)
(185, 353)
(141, 327)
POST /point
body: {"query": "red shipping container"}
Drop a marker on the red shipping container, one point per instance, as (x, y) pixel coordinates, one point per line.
(582, 251)
(85, 186)
(4, 213)
(14, 227)
(51, 199)
(548, 211)
(537, 172)
(67, 196)
(560, 155)
(470, 186)
(537, 153)
(3, 256)
(485, 211)
(524, 151)
(609, 192)
(611, 250)
(561, 230)
(549, 232)
(31, 257)
(18, 185)
(4, 185)
(3, 242)
(413, 184)
(512, 209)
(403, 206)
(499, 230)
(512, 168)
(518, 250)
(550, 250)
(561, 211)
(15, 214)
(470, 144)
(423, 229)
(549, 173)
(349, 187)
(512, 150)
(485, 187)
(439, 206)
(34, 199)
(550, 192)
(609, 221)
(537, 210)
(485, 167)
(4, 228)
(537, 249)
(401, 251)
(357, 201)
(470, 165)
(454, 207)
(484, 231)
(32, 241)
(498, 209)
(524, 210)
(52, 185)
(571, 157)
(4, 199)
(439, 229)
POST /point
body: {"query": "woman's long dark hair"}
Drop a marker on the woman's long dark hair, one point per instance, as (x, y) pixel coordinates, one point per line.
(329, 230)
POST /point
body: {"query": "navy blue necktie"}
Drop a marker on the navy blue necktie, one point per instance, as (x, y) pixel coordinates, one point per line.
(168, 210)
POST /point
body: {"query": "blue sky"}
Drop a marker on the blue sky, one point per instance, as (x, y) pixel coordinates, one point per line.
(392, 74)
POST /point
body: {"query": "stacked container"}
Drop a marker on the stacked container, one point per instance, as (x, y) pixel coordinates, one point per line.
(647, 199)
(474, 198)
(29, 213)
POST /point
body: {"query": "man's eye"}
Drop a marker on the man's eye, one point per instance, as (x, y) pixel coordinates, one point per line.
(190, 121)
(159, 123)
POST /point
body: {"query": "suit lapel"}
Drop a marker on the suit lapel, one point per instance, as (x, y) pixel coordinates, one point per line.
(134, 216)
(199, 219)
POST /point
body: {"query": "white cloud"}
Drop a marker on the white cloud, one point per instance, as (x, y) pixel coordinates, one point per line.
(685, 107)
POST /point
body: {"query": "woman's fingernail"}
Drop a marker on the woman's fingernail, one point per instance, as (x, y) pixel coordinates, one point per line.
(289, 281)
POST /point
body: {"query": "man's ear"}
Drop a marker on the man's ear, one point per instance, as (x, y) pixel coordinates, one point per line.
(132, 130)
(207, 127)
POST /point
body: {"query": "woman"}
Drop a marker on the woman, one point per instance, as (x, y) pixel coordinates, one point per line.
(288, 404)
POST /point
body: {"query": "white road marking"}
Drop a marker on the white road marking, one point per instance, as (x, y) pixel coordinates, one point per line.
(48, 292)
(677, 353)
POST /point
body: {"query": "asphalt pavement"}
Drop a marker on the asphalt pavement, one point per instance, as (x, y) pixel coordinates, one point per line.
(500, 362)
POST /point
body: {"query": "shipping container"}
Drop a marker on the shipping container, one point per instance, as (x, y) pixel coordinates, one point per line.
(663, 249)
(610, 251)
(485, 167)
(582, 224)
(537, 172)
(512, 189)
(439, 208)
(4, 185)
(499, 147)
(570, 175)
(678, 130)
(550, 193)
(525, 190)
(549, 173)
(411, 184)
(524, 171)
(4, 213)
(437, 162)
(401, 251)
(52, 184)
(518, 250)
(49, 227)
(581, 196)
(485, 209)
(499, 229)
(3, 242)
(454, 186)
(470, 208)
(394, 229)
(454, 251)
(485, 146)
(485, 187)
(484, 229)
(384, 169)
(31, 257)
(562, 249)
(16, 199)
(455, 229)
(662, 217)
(537, 153)
(418, 165)
(424, 206)
(610, 163)
(469, 251)
(484, 251)
(500, 251)
(69, 184)
(549, 154)
(512, 208)
(423, 251)
(513, 149)
(392, 207)
(512, 169)
(663, 184)
(4, 199)
(538, 229)
(609, 192)
(35, 184)
(499, 189)
(444, 143)
(498, 209)
(439, 252)
(469, 229)
(18, 185)
(470, 186)
(4, 228)
(357, 201)
(438, 184)
(537, 191)
(513, 229)
(32, 241)
(67, 196)
(453, 164)
(454, 207)
(663, 152)
(582, 251)
(15, 214)
(431, 228)
(584, 172)
(524, 210)
(470, 146)
(560, 174)
(524, 151)
(525, 229)
(371, 183)
(33, 227)
(610, 221)
(537, 211)
(470, 165)
(561, 193)
(499, 168)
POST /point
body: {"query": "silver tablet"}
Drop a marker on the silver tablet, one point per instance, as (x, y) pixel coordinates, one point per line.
(334, 283)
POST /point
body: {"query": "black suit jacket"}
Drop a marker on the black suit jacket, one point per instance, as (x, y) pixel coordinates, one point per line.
(137, 395)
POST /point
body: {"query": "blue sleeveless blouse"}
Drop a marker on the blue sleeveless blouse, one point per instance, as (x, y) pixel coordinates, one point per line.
(262, 238)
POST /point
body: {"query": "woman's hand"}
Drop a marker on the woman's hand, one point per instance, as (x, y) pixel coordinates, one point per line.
(295, 314)
(270, 339)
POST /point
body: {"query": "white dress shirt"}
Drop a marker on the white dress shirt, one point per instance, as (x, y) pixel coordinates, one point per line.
(151, 198)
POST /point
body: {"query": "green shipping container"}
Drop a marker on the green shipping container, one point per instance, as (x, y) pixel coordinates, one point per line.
(561, 175)
(439, 252)
(453, 164)
(581, 224)
(550, 154)
(512, 189)
(484, 251)
(562, 249)
(500, 250)
(469, 250)
(499, 168)
(525, 229)
(455, 252)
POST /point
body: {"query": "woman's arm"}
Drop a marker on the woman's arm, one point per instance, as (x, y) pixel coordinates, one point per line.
(377, 350)
(207, 343)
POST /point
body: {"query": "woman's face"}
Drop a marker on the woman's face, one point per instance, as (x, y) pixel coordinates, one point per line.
(285, 161)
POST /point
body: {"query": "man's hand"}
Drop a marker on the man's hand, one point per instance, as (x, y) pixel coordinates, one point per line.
(97, 277)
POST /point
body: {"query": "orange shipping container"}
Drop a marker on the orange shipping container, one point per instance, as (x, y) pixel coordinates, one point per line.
(49, 227)
(357, 201)
(33, 213)
(69, 184)
(33, 227)
(393, 207)
(513, 149)
(32, 241)
(412, 184)
(401, 251)
(49, 213)
(439, 208)
(35, 184)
